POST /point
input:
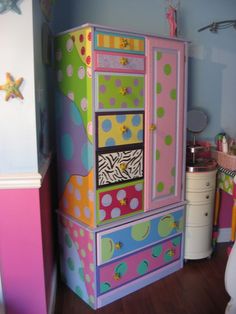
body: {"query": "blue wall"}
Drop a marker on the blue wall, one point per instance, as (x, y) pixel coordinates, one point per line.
(212, 57)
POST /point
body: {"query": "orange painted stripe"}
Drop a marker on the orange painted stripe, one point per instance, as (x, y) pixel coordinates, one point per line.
(112, 42)
(141, 45)
(100, 40)
(131, 44)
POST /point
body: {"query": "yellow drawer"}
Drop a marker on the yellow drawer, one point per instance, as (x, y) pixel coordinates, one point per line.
(119, 42)
(119, 129)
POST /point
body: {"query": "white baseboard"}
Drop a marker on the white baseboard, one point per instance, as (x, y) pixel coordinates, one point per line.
(53, 294)
(224, 235)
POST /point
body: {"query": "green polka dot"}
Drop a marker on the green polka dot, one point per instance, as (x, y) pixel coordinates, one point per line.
(81, 273)
(158, 88)
(83, 253)
(140, 232)
(168, 140)
(91, 299)
(142, 267)
(87, 278)
(70, 263)
(90, 247)
(104, 287)
(173, 94)
(160, 112)
(159, 55)
(168, 256)
(68, 241)
(121, 269)
(173, 172)
(91, 266)
(156, 250)
(108, 248)
(167, 69)
(158, 154)
(160, 186)
(165, 225)
(172, 189)
(176, 241)
(81, 232)
(78, 291)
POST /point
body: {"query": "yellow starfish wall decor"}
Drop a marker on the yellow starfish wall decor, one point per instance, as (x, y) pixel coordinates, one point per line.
(11, 87)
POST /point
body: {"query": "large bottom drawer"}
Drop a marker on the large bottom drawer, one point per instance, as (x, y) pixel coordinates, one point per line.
(126, 269)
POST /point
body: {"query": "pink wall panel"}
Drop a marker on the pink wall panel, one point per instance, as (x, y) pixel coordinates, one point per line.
(21, 259)
(225, 210)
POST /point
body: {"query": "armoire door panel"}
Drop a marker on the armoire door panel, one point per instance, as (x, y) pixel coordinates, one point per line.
(164, 122)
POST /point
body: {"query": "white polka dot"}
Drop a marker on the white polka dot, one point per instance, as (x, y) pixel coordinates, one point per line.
(69, 45)
(121, 194)
(71, 95)
(58, 55)
(75, 233)
(106, 200)
(59, 76)
(69, 70)
(134, 203)
(89, 72)
(81, 72)
(139, 187)
(84, 104)
(90, 195)
(102, 214)
(86, 212)
(77, 211)
(115, 212)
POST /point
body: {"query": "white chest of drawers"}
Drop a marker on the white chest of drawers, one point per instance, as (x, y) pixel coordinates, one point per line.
(200, 194)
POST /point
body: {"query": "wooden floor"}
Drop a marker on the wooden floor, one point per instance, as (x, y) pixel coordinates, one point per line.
(198, 288)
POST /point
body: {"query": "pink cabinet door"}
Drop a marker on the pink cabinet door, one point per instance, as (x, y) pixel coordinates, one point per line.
(164, 122)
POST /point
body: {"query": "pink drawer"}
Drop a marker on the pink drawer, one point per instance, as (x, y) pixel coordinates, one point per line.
(120, 201)
(119, 62)
(136, 265)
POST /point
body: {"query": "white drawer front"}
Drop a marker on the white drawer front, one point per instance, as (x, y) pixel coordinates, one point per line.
(200, 197)
(199, 215)
(200, 183)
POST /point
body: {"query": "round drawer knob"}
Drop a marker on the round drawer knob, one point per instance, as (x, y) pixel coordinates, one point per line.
(124, 129)
(153, 127)
(207, 197)
(123, 202)
(123, 166)
(206, 214)
(118, 245)
(117, 276)
(207, 183)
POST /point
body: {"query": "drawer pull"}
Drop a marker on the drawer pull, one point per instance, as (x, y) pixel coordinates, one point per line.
(175, 224)
(124, 61)
(123, 202)
(123, 166)
(118, 245)
(207, 197)
(124, 91)
(206, 214)
(124, 129)
(153, 127)
(124, 42)
(117, 276)
(208, 184)
(171, 252)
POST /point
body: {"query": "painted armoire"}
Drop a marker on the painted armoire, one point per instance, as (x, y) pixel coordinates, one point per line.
(120, 111)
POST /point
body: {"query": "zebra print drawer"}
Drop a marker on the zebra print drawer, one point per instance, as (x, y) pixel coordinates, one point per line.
(114, 167)
(121, 128)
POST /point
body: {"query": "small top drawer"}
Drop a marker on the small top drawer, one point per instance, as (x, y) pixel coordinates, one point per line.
(119, 62)
(200, 197)
(199, 215)
(201, 181)
(119, 42)
(133, 236)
